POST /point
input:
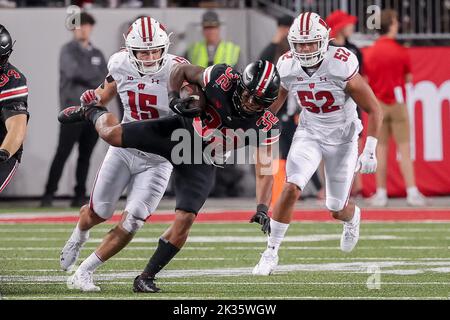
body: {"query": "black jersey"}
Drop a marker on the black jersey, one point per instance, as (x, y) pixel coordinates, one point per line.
(220, 119)
(13, 98)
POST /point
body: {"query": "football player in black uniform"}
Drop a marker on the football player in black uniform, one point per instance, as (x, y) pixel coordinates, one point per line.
(233, 101)
(13, 111)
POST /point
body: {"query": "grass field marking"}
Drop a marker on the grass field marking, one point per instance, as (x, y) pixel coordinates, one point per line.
(164, 297)
(241, 258)
(225, 239)
(354, 267)
(197, 283)
(209, 248)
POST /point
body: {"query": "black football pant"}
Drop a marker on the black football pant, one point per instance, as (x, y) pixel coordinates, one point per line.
(192, 182)
(7, 170)
(85, 134)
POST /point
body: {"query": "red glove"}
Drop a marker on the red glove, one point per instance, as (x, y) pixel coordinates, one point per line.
(89, 98)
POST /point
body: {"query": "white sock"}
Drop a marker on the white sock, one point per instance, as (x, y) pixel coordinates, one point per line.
(412, 191)
(382, 192)
(91, 263)
(354, 215)
(78, 235)
(277, 231)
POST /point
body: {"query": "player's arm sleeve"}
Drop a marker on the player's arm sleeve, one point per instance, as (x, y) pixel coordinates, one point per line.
(344, 70)
(14, 100)
(213, 72)
(282, 73)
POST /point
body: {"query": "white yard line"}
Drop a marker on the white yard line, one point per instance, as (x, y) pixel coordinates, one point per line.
(222, 239)
(386, 267)
(207, 248)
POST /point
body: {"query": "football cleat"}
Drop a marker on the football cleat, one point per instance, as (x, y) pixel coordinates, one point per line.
(145, 284)
(72, 114)
(378, 200)
(82, 280)
(267, 263)
(416, 200)
(350, 234)
(69, 254)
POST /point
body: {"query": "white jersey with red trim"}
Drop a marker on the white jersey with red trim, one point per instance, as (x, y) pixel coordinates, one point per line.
(143, 96)
(329, 112)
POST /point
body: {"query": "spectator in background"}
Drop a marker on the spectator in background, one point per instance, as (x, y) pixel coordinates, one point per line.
(207, 52)
(388, 68)
(81, 67)
(342, 27)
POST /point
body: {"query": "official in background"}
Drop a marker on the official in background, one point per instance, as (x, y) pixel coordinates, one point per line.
(212, 49)
(387, 67)
(13, 111)
(81, 67)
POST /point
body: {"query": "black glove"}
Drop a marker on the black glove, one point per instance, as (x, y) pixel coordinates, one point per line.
(262, 218)
(183, 106)
(4, 155)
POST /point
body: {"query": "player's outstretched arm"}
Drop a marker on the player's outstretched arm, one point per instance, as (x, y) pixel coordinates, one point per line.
(278, 103)
(102, 95)
(264, 183)
(364, 97)
(16, 127)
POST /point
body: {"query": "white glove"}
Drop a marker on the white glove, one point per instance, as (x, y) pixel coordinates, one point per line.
(367, 161)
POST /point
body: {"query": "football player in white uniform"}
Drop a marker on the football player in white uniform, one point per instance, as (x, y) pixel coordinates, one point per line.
(139, 74)
(326, 82)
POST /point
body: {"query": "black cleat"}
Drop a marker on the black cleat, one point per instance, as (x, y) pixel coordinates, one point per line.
(145, 284)
(72, 114)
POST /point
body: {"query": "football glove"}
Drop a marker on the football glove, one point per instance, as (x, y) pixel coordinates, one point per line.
(183, 106)
(367, 161)
(262, 218)
(89, 98)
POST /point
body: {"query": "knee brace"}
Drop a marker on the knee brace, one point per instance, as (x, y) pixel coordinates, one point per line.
(132, 224)
(333, 204)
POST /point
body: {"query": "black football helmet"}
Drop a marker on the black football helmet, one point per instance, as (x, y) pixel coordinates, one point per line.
(260, 80)
(6, 45)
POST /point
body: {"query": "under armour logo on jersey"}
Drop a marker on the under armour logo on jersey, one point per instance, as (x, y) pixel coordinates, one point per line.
(130, 78)
(141, 86)
(299, 79)
(312, 85)
(323, 78)
(153, 81)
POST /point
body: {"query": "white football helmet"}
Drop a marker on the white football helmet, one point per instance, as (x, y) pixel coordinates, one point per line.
(309, 27)
(147, 34)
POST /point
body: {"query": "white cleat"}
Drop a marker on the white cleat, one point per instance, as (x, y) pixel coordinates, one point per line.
(378, 200)
(82, 280)
(416, 200)
(69, 254)
(267, 263)
(350, 234)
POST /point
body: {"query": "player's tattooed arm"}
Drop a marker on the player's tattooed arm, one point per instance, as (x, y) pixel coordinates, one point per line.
(185, 73)
(364, 97)
(107, 90)
(278, 103)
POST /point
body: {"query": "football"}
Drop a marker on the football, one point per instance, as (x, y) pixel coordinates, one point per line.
(194, 90)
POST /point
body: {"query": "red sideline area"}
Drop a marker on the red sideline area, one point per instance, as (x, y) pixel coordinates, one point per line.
(242, 216)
